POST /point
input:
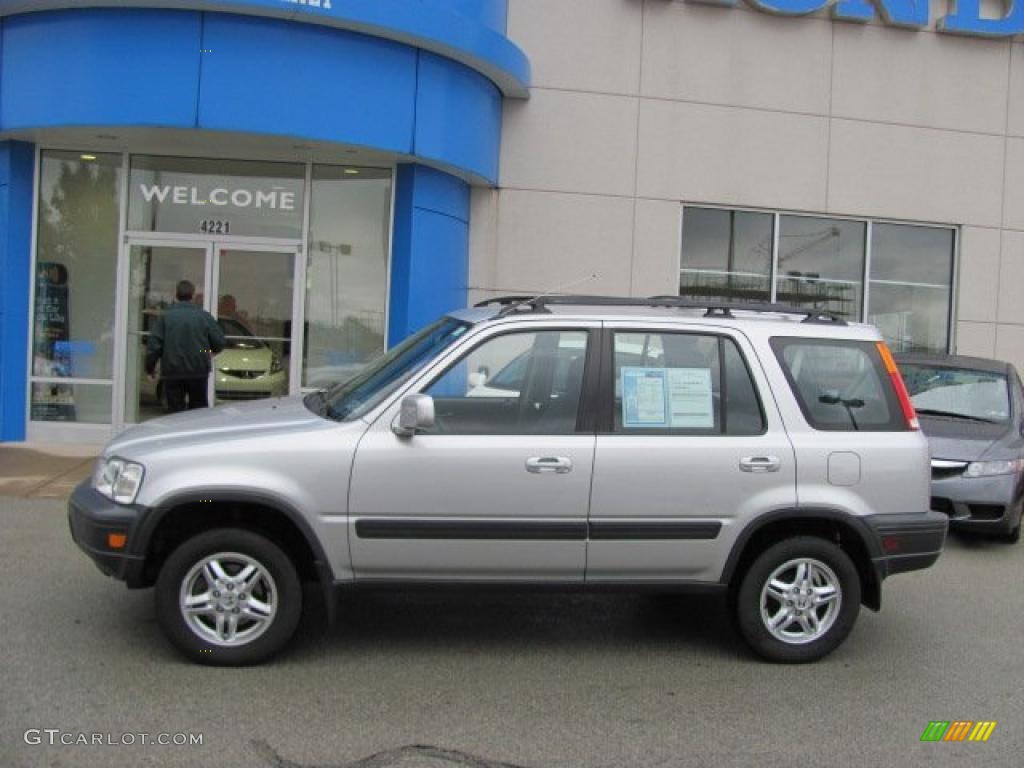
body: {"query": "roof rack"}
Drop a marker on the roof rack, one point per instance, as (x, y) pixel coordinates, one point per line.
(504, 301)
(517, 304)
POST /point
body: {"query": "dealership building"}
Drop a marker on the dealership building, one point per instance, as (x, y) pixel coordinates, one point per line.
(332, 174)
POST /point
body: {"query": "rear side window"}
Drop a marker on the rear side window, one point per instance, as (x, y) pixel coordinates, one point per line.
(842, 386)
(683, 383)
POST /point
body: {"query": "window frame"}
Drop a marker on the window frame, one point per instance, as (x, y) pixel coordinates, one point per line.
(869, 222)
(605, 406)
(585, 418)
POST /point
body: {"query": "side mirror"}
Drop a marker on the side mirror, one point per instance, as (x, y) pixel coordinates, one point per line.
(417, 413)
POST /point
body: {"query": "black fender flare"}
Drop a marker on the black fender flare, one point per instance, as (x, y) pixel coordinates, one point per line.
(321, 565)
(866, 535)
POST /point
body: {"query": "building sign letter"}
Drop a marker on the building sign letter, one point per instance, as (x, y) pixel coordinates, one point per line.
(967, 20)
(789, 7)
(896, 13)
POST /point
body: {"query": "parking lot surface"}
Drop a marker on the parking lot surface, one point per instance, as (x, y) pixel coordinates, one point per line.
(488, 679)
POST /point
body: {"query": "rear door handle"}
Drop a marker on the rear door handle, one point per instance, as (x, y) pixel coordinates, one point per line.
(558, 465)
(760, 464)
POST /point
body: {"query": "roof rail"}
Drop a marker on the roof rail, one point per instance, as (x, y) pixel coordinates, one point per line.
(516, 304)
(505, 301)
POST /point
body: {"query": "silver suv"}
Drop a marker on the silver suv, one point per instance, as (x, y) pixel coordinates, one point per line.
(768, 453)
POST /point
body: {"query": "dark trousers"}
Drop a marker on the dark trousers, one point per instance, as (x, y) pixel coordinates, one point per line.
(178, 390)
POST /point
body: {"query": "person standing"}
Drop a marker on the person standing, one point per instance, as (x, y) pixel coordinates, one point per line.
(184, 339)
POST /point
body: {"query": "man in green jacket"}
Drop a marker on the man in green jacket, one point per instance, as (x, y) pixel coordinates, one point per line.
(184, 339)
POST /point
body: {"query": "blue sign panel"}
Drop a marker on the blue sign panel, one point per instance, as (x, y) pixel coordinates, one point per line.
(468, 31)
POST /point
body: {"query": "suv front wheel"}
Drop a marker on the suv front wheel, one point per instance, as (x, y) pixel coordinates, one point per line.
(228, 597)
(798, 600)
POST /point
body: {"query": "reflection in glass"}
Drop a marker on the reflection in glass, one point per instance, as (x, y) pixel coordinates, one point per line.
(910, 286)
(513, 384)
(346, 274)
(202, 196)
(726, 255)
(254, 309)
(82, 403)
(76, 262)
(153, 275)
(821, 264)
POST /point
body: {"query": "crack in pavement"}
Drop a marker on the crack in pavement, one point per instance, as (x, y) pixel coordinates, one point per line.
(387, 758)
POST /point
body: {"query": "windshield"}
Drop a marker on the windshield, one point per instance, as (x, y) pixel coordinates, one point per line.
(354, 397)
(958, 392)
(237, 335)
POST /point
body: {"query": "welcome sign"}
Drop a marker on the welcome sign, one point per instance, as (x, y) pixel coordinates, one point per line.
(966, 17)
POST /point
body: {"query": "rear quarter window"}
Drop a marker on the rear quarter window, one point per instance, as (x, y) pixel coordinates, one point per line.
(841, 386)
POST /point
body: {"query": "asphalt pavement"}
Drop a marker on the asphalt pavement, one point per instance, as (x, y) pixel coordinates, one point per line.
(489, 680)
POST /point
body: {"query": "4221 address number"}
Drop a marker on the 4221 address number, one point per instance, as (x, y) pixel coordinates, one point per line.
(215, 227)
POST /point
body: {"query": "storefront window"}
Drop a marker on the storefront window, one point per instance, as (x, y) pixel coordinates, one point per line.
(726, 254)
(346, 273)
(820, 263)
(75, 278)
(910, 286)
(199, 196)
(235, 229)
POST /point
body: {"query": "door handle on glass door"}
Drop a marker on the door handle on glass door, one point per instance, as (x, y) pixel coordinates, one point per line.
(760, 464)
(559, 465)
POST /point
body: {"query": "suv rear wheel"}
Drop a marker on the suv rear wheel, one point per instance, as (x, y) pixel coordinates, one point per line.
(228, 597)
(798, 600)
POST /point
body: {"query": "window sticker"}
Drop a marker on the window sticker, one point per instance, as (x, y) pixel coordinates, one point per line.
(662, 398)
(644, 398)
(691, 405)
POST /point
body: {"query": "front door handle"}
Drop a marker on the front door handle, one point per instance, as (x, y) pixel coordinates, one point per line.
(558, 465)
(760, 464)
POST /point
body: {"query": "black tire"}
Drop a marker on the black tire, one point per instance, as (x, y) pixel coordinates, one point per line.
(282, 590)
(747, 604)
(1013, 537)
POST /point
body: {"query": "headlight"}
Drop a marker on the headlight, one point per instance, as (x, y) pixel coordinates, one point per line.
(990, 468)
(275, 364)
(118, 479)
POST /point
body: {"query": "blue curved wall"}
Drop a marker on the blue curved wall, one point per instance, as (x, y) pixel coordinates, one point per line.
(188, 69)
(470, 31)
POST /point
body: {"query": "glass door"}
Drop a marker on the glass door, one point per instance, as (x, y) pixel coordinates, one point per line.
(255, 289)
(154, 271)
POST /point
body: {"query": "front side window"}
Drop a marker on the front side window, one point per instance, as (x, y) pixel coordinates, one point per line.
(683, 383)
(959, 393)
(513, 384)
(840, 385)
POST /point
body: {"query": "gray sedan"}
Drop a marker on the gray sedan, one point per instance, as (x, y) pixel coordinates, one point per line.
(972, 411)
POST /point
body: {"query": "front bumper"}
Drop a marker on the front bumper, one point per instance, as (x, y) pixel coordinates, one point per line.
(906, 542)
(979, 503)
(254, 385)
(92, 517)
